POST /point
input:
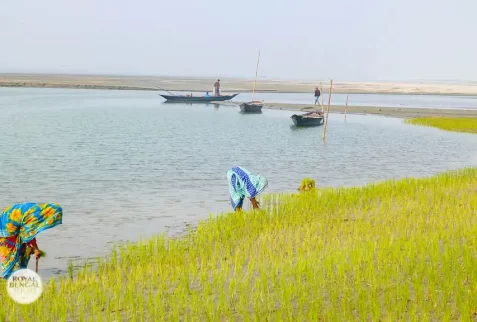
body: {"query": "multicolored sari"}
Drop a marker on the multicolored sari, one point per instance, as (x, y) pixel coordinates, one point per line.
(242, 183)
(19, 225)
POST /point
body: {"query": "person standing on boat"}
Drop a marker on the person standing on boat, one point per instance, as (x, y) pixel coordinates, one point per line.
(243, 183)
(207, 94)
(217, 87)
(317, 95)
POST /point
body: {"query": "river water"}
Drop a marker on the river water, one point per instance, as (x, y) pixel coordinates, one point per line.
(372, 100)
(124, 165)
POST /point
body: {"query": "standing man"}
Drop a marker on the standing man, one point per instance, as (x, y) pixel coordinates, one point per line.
(317, 95)
(217, 87)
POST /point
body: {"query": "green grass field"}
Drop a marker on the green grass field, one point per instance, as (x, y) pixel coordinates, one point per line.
(390, 251)
(447, 123)
(397, 250)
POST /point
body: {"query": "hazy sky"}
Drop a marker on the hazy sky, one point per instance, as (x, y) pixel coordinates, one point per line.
(299, 39)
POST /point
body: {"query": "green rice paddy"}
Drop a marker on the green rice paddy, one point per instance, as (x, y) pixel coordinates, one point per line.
(396, 250)
(453, 124)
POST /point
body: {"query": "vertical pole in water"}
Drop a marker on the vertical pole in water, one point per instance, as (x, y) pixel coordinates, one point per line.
(321, 90)
(346, 106)
(256, 73)
(328, 109)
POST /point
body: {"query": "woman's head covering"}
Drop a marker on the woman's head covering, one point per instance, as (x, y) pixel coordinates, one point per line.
(243, 183)
(25, 221)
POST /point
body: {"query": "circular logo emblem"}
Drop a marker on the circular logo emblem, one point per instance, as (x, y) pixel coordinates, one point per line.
(24, 286)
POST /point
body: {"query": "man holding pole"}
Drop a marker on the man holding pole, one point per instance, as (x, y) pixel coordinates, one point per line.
(217, 87)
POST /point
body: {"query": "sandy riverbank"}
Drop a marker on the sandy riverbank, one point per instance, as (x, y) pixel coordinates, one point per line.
(231, 85)
(385, 111)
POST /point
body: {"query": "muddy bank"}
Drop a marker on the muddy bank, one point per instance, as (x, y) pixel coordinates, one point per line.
(385, 111)
(231, 85)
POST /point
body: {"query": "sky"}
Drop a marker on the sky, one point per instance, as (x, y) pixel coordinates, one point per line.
(348, 40)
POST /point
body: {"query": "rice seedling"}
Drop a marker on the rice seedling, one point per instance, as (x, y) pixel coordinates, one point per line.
(453, 124)
(395, 250)
(307, 184)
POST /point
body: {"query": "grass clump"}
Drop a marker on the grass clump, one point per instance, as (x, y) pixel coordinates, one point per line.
(393, 251)
(307, 184)
(453, 124)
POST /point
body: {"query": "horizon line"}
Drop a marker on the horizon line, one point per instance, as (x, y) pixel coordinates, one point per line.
(230, 77)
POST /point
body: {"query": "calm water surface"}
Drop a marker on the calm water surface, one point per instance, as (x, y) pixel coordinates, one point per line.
(124, 165)
(379, 100)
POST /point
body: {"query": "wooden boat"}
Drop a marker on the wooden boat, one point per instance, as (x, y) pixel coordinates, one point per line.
(253, 106)
(308, 119)
(185, 98)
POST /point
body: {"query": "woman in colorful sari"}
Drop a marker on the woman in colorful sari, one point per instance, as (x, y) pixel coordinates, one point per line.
(19, 225)
(243, 183)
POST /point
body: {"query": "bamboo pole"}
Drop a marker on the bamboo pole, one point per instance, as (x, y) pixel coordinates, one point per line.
(256, 73)
(328, 109)
(321, 91)
(346, 106)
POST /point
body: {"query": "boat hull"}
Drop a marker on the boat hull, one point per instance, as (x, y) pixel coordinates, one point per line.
(302, 120)
(197, 99)
(252, 108)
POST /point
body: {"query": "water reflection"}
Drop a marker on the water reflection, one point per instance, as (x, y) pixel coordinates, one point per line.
(293, 127)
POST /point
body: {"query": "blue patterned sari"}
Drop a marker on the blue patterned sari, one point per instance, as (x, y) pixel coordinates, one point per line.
(242, 183)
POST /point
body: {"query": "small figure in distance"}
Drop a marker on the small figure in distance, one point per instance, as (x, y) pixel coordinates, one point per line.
(317, 95)
(217, 87)
(243, 183)
(207, 94)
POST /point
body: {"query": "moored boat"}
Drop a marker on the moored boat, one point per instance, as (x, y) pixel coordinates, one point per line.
(308, 119)
(186, 98)
(251, 107)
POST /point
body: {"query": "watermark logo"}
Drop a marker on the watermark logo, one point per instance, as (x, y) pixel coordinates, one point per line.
(24, 286)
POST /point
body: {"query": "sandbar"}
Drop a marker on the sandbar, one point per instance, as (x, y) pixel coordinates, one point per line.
(229, 85)
(384, 111)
